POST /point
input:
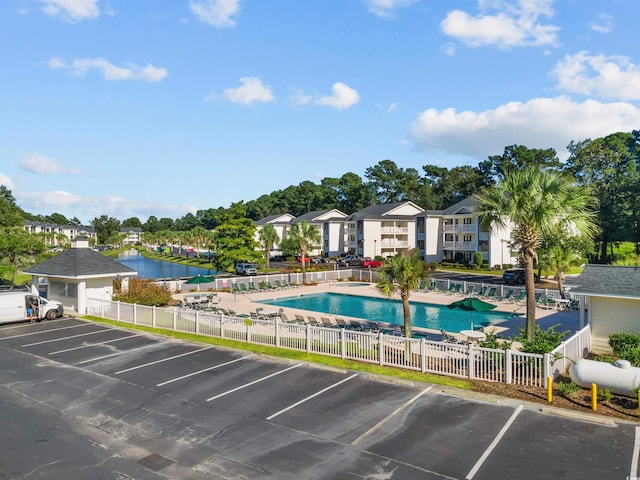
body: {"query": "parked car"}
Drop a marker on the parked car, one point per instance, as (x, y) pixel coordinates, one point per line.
(369, 262)
(246, 269)
(516, 276)
(350, 261)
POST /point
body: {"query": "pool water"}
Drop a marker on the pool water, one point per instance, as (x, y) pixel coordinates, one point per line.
(425, 315)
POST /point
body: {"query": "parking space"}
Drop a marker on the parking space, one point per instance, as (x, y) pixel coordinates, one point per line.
(173, 409)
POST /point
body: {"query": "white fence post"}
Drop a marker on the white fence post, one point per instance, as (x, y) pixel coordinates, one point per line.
(380, 348)
(175, 318)
(423, 354)
(508, 367)
(547, 367)
(471, 364)
(308, 332)
(153, 316)
(277, 328)
(343, 344)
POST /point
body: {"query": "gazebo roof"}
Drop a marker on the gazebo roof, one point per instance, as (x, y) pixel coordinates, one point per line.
(78, 262)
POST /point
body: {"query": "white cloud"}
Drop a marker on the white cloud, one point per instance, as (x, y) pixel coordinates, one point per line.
(252, 90)
(386, 8)
(602, 24)
(538, 123)
(607, 76)
(86, 207)
(392, 107)
(298, 97)
(216, 12)
(503, 24)
(71, 10)
(343, 97)
(6, 181)
(80, 66)
(36, 163)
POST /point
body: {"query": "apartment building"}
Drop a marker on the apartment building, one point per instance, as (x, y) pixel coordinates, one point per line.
(383, 230)
(57, 235)
(455, 234)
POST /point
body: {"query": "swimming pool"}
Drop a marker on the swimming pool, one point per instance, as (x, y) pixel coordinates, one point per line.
(425, 315)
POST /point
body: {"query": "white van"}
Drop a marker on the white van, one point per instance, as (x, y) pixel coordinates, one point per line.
(14, 305)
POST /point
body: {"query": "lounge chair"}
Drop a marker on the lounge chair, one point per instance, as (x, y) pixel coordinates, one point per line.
(482, 292)
(491, 294)
(448, 338)
(300, 319)
(470, 289)
(243, 288)
(521, 297)
(326, 322)
(508, 296)
(433, 287)
(283, 318)
(313, 322)
(341, 323)
(374, 327)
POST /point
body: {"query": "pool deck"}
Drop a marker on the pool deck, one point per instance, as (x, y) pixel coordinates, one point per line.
(244, 303)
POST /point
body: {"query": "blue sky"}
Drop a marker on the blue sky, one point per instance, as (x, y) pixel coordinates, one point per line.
(136, 108)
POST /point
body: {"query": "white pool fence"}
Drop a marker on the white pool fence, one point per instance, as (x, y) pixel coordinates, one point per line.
(421, 354)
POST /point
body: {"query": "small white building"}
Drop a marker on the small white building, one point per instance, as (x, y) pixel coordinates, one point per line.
(330, 225)
(77, 274)
(611, 296)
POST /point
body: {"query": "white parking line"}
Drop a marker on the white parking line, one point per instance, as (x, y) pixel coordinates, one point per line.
(634, 458)
(388, 417)
(312, 396)
(92, 345)
(254, 382)
(495, 442)
(205, 370)
(162, 360)
(96, 359)
(43, 331)
(67, 338)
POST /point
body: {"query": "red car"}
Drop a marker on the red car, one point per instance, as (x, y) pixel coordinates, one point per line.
(371, 263)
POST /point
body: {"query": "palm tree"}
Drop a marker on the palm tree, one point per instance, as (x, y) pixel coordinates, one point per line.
(535, 203)
(402, 274)
(304, 237)
(268, 237)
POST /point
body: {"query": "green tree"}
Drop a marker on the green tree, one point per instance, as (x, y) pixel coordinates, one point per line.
(401, 274)
(304, 237)
(536, 202)
(349, 192)
(234, 238)
(18, 250)
(516, 157)
(106, 228)
(268, 237)
(10, 214)
(391, 183)
(132, 222)
(610, 167)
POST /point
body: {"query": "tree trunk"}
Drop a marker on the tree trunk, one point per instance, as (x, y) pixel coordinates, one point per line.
(406, 310)
(304, 266)
(560, 277)
(530, 288)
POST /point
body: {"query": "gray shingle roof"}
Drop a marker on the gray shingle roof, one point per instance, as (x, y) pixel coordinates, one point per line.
(313, 216)
(379, 210)
(77, 263)
(607, 280)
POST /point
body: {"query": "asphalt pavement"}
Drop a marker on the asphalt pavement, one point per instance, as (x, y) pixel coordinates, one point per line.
(85, 400)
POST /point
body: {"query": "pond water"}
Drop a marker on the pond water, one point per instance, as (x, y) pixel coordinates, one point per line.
(152, 268)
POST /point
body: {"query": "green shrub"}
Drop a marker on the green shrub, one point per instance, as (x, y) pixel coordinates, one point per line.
(143, 292)
(543, 340)
(493, 340)
(567, 388)
(477, 258)
(433, 265)
(604, 394)
(626, 346)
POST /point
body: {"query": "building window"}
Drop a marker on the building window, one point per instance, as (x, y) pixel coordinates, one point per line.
(468, 221)
(467, 238)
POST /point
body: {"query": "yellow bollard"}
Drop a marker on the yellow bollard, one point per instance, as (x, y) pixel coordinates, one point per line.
(594, 397)
(549, 390)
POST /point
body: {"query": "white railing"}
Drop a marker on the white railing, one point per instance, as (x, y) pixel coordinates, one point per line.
(459, 360)
(570, 351)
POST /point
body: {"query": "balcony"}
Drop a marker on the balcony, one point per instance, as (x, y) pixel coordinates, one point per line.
(394, 230)
(394, 244)
(468, 246)
(472, 227)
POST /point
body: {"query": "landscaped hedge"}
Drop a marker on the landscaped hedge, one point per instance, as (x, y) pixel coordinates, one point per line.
(626, 346)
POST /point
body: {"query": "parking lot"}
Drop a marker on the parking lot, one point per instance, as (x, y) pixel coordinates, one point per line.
(85, 400)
